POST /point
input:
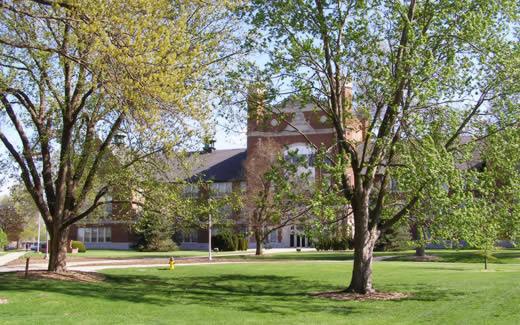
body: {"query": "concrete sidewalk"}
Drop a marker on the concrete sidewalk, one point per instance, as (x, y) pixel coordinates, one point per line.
(9, 257)
(101, 264)
(96, 268)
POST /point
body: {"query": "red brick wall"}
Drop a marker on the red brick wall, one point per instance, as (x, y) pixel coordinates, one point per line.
(121, 233)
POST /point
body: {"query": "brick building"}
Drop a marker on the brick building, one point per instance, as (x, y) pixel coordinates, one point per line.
(291, 124)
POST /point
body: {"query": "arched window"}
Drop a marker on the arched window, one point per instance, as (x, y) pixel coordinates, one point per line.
(296, 150)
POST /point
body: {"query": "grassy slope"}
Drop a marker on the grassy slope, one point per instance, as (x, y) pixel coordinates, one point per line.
(269, 293)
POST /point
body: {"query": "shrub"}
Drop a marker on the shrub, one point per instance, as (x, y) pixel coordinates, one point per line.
(333, 242)
(79, 245)
(154, 233)
(159, 245)
(395, 239)
(223, 241)
(236, 242)
(3, 240)
(227, 241)
(243, 243)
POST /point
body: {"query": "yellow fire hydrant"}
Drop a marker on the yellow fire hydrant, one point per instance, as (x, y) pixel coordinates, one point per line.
(172, 263)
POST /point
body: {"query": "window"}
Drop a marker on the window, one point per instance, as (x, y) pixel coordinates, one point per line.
(191, 190)
(108, 206)
(95, 235)
(191, 236)
(221, 189)
(87, 235)
(108, 234)
(273, 236)
(81, 234)
(297, 152)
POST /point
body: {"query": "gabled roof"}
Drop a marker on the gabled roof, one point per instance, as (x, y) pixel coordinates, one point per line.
(221, 166)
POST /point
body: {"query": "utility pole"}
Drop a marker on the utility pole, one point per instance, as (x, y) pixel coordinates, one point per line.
(209, 238)
(39, 228)
(46, 243)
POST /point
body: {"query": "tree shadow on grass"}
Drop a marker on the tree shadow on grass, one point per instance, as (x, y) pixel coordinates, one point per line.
(423, 292)
(257, 293)
(283, 295)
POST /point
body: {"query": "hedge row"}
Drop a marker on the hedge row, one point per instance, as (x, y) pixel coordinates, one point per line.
(79, 245)
(229, 242)
(336, 244)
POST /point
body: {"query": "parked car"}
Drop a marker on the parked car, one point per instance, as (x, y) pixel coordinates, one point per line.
(34, 247)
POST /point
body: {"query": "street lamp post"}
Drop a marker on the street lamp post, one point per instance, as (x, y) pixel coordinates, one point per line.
(46, 243)
(209, 238)
(39, 228)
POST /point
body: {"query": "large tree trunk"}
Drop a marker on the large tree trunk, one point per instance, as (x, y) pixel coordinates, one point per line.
(364, 242)
(58, 250)
(420, 250)
(365, 237)
(258, 239)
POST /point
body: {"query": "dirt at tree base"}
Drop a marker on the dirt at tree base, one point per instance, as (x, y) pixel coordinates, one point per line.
(348, 296)
(75, 276)
(425, 258)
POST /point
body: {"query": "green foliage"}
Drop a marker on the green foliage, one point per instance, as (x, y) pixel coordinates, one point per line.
(396, 239)
(3, 239)
(223, 242)
(425, 74)
(484, 207)
(283, 189)
(243, 243)
(154, 233)
(326, 243)
(79, 245)
(109, 88)
(229, 241)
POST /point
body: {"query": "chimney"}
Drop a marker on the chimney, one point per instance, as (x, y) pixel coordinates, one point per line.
(209, 145)
(255, 103)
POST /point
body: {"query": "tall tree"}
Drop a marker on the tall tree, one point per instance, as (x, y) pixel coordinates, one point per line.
(411, 63)
(490, 208)
(11, 222)
(79, 76)
(279, 190)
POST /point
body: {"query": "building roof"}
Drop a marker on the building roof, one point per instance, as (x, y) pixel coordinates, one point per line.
(221, 165)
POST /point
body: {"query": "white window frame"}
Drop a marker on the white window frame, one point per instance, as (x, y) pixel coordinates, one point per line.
(102, 234)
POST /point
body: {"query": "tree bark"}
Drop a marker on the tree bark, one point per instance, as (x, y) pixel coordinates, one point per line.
(58, 250)
(258, 239)
(364, 241)
(420, 250)
(365, 237)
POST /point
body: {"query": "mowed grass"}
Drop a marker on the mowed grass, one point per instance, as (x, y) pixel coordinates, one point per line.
(269, 293)
(128, 254)
(501, 256)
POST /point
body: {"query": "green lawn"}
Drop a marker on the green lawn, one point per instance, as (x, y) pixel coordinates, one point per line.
(129, 254)
(269, 293)
(123, 254)
(503, 256)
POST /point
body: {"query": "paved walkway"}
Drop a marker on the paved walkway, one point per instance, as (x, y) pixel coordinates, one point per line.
(4, 259)
(95, 268)
(101, 264)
